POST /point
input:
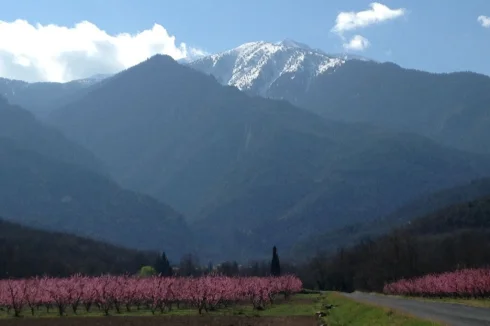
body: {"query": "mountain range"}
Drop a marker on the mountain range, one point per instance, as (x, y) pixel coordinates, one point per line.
(246, 171)
(273, 144)
(449, 108)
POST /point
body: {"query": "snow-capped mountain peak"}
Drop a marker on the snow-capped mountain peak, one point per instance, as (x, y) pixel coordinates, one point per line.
(258, 67)
(289, 43)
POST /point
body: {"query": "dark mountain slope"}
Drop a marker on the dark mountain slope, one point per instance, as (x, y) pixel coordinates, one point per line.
(419, 207)
(26, 252)
(251, 171)
(454, 237)
(40, 192)
(359, 186)
(24, 129)
(174, 133)
(451, 108)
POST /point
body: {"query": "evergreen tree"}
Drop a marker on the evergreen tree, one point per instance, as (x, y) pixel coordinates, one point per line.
(162, 266)
(275, 265)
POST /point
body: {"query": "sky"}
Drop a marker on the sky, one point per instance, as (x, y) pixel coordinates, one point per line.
(61, 40)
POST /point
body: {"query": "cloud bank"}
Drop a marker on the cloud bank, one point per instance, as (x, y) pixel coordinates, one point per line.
(59, 53)
(484, 21)
(351, 21)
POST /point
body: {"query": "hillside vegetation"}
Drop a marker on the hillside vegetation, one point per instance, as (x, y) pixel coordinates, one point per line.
(351, 234)
(26, 252)
(452, 238)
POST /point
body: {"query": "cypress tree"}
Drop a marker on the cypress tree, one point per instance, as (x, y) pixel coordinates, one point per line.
(275, 265)
(162, 266)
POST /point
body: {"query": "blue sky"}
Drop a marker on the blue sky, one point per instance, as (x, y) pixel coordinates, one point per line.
(433, 35)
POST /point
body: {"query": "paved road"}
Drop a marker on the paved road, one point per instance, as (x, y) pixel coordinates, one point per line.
(447, 313)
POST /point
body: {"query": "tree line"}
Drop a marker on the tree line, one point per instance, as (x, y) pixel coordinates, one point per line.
(189, 265)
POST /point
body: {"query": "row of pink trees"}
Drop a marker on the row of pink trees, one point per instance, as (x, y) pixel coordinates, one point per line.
(119, 293)
(466, 283)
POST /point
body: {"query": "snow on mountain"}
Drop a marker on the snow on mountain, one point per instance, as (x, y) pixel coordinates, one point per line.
(259, 67)
(92, 79)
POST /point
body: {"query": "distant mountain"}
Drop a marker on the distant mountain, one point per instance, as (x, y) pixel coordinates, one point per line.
(26, 252)
(42, 97)
(261, 67)
(251, 172)
(404, 215)
(52, 195)
(52, 183)
(450, 108)
(29, 133)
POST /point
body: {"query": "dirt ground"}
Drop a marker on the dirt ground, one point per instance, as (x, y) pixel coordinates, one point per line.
(168, 320)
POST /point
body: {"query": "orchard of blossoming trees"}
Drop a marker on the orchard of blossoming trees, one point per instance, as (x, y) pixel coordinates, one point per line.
(116, 294)
(467, 283)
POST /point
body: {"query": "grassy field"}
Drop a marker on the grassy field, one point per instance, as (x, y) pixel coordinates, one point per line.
(350, 312)
(298, 311)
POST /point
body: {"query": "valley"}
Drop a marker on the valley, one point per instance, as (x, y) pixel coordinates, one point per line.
(144, 181)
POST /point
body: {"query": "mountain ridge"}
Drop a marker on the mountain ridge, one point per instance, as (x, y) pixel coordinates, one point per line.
(447, 107)
(240, 166)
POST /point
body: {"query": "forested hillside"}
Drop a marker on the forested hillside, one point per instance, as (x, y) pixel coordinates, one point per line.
(28, 252)
(452, 238)
(330, 241)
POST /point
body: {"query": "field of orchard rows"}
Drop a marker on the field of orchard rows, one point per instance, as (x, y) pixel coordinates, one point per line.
(466, 283)
(122, 294)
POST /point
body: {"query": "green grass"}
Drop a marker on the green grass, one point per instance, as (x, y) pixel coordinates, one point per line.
(346, 312)
(353, 313)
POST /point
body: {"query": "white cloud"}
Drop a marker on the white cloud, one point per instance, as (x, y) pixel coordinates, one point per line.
(357, 43)
(58, 53)
(349, 21)
(484, 21)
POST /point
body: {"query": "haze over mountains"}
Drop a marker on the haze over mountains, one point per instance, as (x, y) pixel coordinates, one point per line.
(50, 182)
(42, 97)
(350, 141)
